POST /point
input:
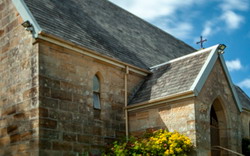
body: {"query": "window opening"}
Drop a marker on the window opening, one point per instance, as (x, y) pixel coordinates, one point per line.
(96, 93)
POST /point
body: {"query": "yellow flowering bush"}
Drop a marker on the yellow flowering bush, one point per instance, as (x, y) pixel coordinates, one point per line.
(160, 143)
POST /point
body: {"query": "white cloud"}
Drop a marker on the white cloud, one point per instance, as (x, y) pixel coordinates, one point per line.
(234, 65)
(210, 28)
(228, 16)
(151, 9)
(179, 30)
(241, 5)
(156, 10)
(245, 83)
(232, 19)
(207, 31)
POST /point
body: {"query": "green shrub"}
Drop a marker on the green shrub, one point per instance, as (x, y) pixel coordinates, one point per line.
(160, 142)
(246, 146)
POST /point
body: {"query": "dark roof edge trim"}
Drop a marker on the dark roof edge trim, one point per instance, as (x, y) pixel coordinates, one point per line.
(206, 70)
(154, 102)
(69, 45)
(236, 97)
(243, 92)
(27, 16)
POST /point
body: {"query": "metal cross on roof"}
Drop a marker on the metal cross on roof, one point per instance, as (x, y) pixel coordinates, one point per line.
(201, 42)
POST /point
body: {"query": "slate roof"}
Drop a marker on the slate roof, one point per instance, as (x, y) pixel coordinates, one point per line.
(107, 29)
(177, 76)
(244, 99)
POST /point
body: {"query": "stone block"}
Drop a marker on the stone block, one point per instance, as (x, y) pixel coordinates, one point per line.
(84, 138)
(47, 123)
(12, 129)
(50, 153)
(97, 131)
(71, 127)
(142, 115)
(47, 82)
(44, 91)
(70, 137)
(79, 118)
(20, 116)
(68, 106)
(4, 141)
(65, 116)
(62, 95)
(2, 6)
(45, 144)
(9, 111)
(48, 102)
(80, 148)
(15, 138)
(78, 98)
(69, 153)
(49, 134)
(33, 113)
(27, 135)
(30, 93)
(43, 112)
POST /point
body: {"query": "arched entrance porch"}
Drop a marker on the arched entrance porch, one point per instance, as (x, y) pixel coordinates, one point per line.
(218, 128)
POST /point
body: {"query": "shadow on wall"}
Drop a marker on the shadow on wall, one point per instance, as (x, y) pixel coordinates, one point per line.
(146, 120)
(172, 116)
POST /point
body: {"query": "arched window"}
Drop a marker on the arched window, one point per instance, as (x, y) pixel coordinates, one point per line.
(96, 92)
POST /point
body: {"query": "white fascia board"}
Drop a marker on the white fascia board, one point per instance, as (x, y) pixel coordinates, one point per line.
(236, 97)
(183, 57)
(205, 70)
(27, 16)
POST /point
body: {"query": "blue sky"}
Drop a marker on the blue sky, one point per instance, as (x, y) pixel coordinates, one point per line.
(218, 21)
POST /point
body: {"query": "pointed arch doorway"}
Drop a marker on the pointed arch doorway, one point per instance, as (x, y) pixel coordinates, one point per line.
(218, 128)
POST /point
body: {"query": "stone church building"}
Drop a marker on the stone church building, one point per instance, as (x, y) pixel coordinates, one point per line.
(77, 74)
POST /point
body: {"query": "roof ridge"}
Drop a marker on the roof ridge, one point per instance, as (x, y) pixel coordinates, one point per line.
(172, 78)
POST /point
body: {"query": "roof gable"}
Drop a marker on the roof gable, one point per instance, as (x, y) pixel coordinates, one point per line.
(173, 77)
(206, 70)
(105, 28)
(188, 74)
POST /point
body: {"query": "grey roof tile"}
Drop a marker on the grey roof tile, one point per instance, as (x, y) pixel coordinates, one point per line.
(174, 77)
(244, 99)
(105, 28)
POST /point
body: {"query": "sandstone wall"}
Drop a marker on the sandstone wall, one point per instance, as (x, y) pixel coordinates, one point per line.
(18, 85)
(245, 116)
(178, 115)
(217, 87)
(69, 123)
